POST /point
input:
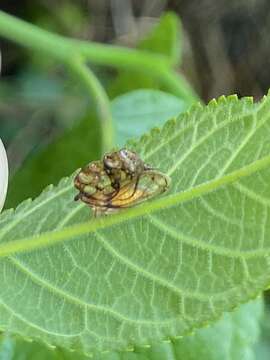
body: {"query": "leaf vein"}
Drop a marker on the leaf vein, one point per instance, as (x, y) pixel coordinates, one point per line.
(82, 304)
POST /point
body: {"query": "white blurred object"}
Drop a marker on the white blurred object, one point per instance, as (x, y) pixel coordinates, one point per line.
(3, 174)
(3, 167)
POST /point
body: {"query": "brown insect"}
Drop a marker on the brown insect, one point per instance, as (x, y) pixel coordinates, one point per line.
(119, 181)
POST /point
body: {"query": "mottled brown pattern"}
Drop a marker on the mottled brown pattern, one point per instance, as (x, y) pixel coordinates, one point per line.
(120, 180)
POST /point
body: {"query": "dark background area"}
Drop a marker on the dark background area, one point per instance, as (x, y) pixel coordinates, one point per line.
(226, 43)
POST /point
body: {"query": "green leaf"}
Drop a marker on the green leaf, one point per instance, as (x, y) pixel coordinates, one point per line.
(230, 338)
(262, 348)
(127, 81)
(12, 348)
(138, 111)
(155, 271)
(165, 38)
(73, 149)
(15, 349)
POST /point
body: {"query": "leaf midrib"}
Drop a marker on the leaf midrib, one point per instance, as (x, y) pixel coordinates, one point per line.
(53, 237)
(170, 200)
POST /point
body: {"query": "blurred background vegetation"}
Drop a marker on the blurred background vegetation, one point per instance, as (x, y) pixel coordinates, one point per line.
(224, 50)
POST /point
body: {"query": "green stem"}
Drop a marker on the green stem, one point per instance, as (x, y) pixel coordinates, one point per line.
(66, 49)
(98, 94)
(35, 38)
(121, 57)
(172, 81)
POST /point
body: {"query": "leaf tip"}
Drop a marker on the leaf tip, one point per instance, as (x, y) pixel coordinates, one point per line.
(27, 339)
(154, 131)
(145, 346)
(178, 337)
(212, 103)
(104, 352)
(232, 98)
(167, 341)
(130, 349)
(24, 204)
(194, 107)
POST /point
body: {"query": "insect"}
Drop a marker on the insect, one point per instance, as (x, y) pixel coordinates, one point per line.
(120, 180)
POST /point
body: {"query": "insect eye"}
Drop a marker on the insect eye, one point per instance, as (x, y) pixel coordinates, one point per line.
(111, 162)
(124, 153)
(108, 161)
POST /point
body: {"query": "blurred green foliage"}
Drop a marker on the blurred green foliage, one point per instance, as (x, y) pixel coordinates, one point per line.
(164, 39)
(70, 151)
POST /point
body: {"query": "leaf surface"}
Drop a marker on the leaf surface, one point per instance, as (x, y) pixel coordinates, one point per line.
(231, 338)
(155, 271)
(262, 348)
(138, 111)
